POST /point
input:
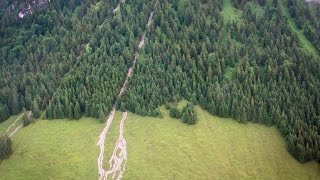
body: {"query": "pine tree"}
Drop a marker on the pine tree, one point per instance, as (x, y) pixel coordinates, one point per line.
(77, 111)
(35, 109)
(189, 115)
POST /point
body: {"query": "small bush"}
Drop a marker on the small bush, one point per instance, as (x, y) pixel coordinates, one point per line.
(175, 113)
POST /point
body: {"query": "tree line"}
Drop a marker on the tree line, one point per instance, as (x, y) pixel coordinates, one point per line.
(250, 70)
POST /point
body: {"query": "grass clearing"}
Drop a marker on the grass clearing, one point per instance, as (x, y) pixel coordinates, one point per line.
(230, 13)
(57, 149)
(5, 124)
(215, 147)
(158, 148)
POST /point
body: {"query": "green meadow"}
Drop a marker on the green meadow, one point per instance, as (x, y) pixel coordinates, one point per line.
(214, 148)
(58, 149)
(7, 123)
(158, 148)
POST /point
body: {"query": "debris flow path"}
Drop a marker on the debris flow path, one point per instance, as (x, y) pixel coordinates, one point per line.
(118, 161)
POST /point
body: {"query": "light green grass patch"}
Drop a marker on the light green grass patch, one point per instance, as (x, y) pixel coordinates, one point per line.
(228, 73)
(214, 148)
(57, 149)
(96, 6)
(158, 148)
(88, 48)
(5, 124)
(230, 13)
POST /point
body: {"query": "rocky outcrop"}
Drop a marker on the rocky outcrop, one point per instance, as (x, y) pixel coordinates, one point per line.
(22, 9)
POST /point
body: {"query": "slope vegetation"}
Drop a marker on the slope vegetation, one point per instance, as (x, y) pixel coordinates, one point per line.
(58, 149)
(214, 147)
(304, 42)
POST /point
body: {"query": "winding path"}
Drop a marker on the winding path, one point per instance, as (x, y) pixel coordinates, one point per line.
(117, 161)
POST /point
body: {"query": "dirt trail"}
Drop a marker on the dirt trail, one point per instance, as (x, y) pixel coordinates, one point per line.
(115, 10)
(17, 129)
(118, 159)
(141, 43)
(118, 7)
(150, 20)
(100, 143)
(117, 163)
(15, 121)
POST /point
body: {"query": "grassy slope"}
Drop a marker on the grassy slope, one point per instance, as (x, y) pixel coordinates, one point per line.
(229, 12)
(157, 149)
(215, 147)
(5, 124)
(304, 42)
(56, 149)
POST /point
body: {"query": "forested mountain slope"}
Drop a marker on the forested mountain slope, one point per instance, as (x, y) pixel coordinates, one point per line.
(71, 60)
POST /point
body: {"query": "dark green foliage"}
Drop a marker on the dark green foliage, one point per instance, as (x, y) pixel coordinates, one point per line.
(5, 147)
(175, 113)
(102, 116)
(25, 119)
(307, 19)
(189, 115)
(4, 112)
(273, 81)
(35, 109)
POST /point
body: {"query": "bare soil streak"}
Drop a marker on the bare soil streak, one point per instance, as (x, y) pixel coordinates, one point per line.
(17, 129)
(117, 161)
(100, 143)
(13, 124)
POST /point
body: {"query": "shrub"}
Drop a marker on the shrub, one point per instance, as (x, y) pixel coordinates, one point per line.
(189, 115)
(175, 113)
(5, 146)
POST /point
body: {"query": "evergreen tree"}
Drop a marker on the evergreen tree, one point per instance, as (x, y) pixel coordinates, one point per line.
(5, 147)
(189, 115)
